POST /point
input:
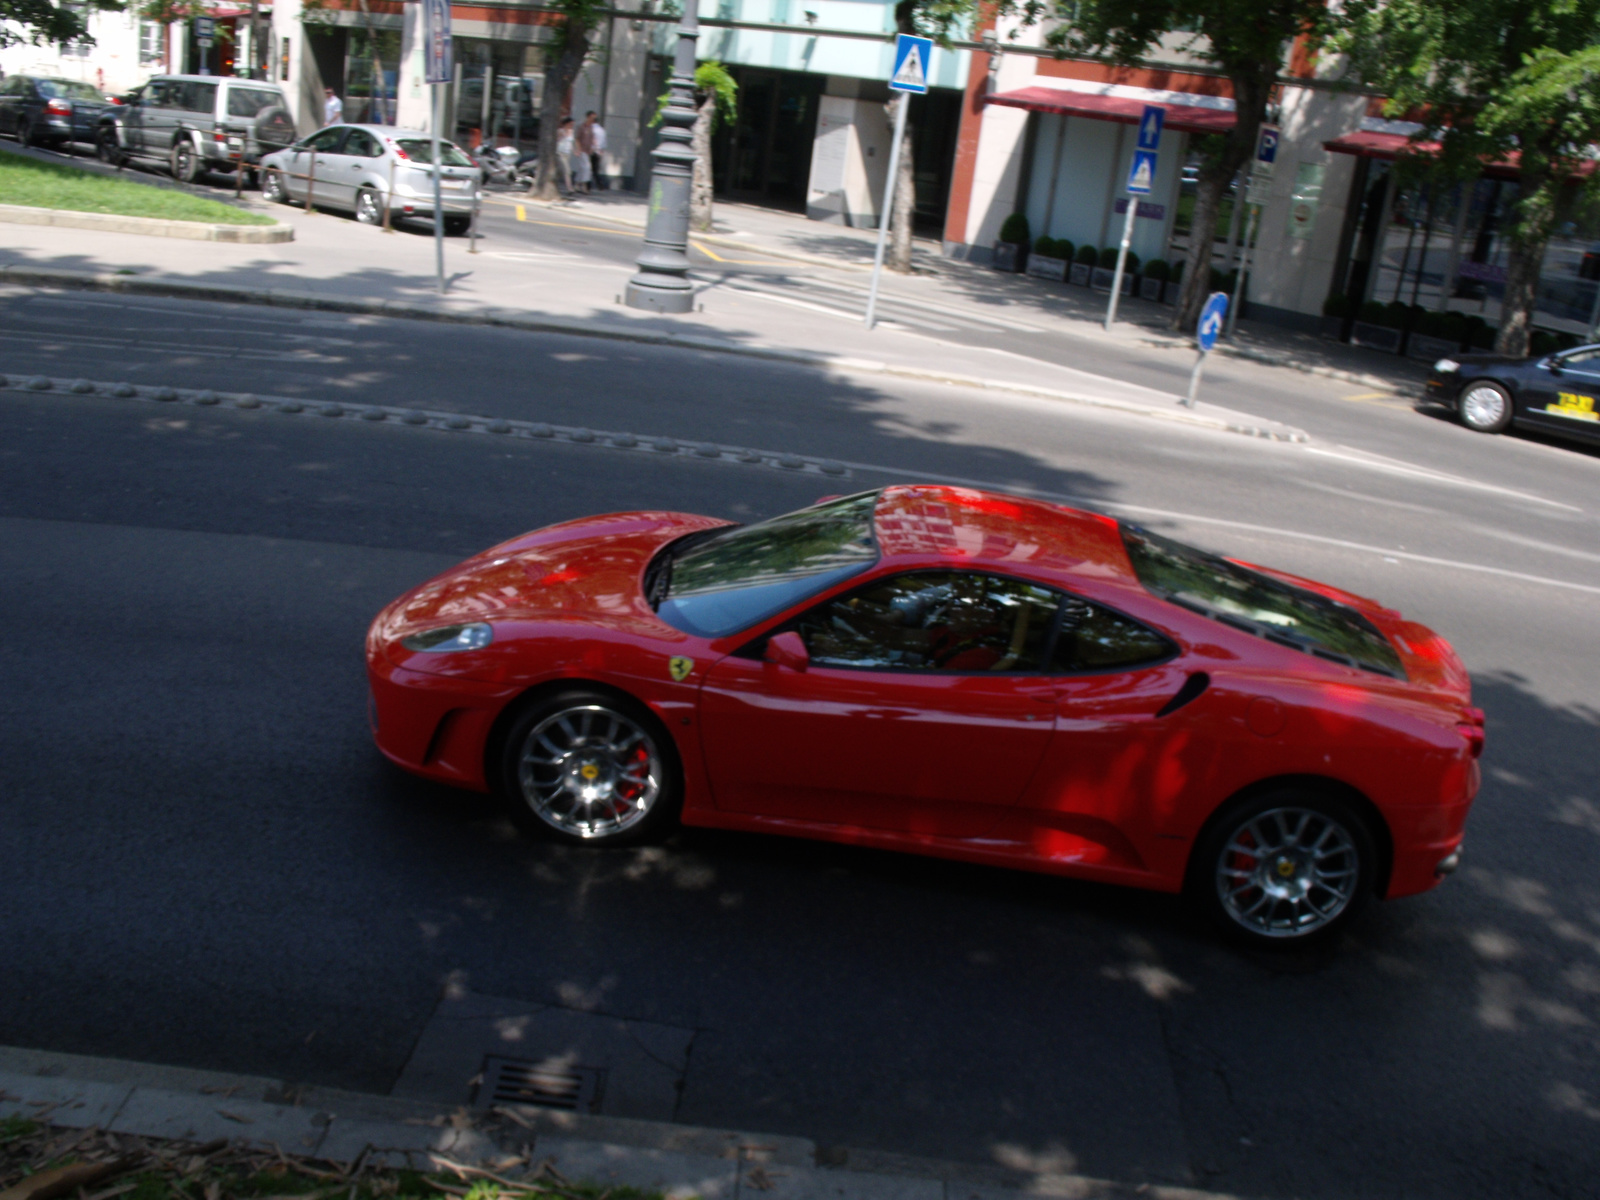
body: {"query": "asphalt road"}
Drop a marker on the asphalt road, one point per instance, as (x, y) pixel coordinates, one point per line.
(208, 864)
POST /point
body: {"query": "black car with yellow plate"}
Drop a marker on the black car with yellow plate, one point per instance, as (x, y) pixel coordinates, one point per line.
(1558, 393)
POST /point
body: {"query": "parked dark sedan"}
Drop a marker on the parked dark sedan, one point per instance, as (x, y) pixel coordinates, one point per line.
(50, 112)
(1559, 393)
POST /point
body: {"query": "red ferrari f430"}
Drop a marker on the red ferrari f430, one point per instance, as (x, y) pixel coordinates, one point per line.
(950, 672)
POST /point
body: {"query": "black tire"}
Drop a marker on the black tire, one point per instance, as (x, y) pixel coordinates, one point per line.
(369, 209)
(252, 178)
(457, 226)
(272, 187)
(25, 133)
(590, 767)
(186, 164)
(106, 146)
(1484, 406)
(1318, 872)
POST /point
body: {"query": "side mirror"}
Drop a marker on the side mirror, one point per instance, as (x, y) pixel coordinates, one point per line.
(1552, 364)
(787, 650)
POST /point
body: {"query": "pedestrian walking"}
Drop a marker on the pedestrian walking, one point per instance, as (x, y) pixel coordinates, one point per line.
(597, 147)
(564, 152)
(332, 107)
(583, 146)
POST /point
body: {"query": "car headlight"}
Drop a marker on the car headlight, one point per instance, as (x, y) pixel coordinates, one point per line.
(1446, 365)
(450, 637)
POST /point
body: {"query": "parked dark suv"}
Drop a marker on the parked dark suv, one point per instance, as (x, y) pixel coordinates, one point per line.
(50, 112)
(197, 123)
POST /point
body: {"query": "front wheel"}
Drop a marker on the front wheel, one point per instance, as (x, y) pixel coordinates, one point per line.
(185, 162)
(591, 768)
(106, 147)
(456, 226)
(25, 133)
(272, 187)
(1485, 406)
(1285, 869)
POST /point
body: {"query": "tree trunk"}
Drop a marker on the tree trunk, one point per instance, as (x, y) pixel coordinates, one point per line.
(573, 46)
(904, 190)
(1250, 100)
(1545, 204)
(705, 109)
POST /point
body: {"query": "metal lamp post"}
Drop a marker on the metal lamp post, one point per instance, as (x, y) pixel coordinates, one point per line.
(662, 284)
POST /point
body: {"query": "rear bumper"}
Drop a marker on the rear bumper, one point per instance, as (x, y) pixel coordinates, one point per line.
(1427, 845)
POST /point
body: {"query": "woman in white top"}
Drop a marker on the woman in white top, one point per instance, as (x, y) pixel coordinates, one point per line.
(564, 148)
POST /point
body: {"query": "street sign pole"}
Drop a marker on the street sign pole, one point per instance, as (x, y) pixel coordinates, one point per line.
(441, 69)
(1141, 182)
(438, 201)
(1206, 333)
(1244, 270)
(909, 77)
(1255, 195)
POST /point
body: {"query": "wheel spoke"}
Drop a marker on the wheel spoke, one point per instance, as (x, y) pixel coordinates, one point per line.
(1326, 868)
(559, 777)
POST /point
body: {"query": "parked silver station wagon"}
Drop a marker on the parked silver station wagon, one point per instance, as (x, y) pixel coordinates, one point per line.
(352, 167)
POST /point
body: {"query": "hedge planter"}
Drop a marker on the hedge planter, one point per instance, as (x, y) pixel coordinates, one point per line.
(1150, 289)
(1332, 327)
(1103, 277)
(1009, 256)
(1047, 268)
(1376, 337)
(1426, 348)
(1080, 274)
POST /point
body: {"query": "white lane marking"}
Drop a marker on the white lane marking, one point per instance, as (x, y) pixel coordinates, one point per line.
(1377, 462)
(1293, 535)
(1533, 543)
(1348, 494)
(835, 312)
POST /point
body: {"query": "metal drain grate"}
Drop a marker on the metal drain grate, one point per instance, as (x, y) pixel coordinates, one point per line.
(520, 1081)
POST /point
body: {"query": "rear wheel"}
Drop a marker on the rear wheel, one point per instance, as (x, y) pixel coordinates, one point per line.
(25, 133)
(590, 767)
(456, 226)
(1485, 406)
(369, 210)
(1284, 869)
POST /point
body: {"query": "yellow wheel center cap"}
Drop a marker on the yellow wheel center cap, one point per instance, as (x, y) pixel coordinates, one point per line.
(591, 772)
(1285, 867)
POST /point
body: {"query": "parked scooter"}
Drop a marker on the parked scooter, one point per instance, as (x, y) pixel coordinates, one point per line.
(498, 164)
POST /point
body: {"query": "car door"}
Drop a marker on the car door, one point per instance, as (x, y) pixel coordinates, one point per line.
(130, 115)
(923, 709)
(334, 187)
(363, 155)
(313, 154)
(161, 111)
(1119, 756)
(1564, 392)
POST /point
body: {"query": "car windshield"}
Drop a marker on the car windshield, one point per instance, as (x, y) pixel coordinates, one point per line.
(729, 580)
(1258, 604)
(420, 152)
(66, 89)
(249, 102)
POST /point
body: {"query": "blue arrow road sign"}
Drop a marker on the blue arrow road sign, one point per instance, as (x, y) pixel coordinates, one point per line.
(1211, 318)
(1150, 127)
(911, 55)
(1142, 172)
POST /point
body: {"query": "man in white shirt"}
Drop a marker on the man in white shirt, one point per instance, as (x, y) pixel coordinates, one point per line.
(332, 108)
(597, 146)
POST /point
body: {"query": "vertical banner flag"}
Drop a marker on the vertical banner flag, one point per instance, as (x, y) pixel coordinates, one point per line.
(436, 41)
(911, 55)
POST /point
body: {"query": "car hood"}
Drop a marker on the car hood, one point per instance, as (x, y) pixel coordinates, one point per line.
(586, 570)
(1488, 360)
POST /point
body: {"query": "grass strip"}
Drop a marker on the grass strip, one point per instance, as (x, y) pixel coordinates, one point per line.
(124, 1167)
(38, 184)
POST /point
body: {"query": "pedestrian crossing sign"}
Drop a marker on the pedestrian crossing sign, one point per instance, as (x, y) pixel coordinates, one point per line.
(911, 55)
(1142, 174)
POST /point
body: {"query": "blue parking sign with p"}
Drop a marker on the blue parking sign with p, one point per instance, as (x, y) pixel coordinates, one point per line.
(1150, 127)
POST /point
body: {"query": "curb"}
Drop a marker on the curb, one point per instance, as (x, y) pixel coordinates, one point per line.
(196, 231)
(682, 1161)
(505, 318)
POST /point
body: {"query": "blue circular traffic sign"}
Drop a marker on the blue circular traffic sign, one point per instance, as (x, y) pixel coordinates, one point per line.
(1211, 318)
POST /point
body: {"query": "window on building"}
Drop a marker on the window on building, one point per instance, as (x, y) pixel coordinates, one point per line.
(78, 49)
(152, 43)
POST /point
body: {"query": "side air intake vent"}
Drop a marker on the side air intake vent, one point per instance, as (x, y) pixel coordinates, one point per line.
(1191, 690)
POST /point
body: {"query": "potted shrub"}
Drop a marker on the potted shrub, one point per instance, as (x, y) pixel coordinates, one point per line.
(1048, 261)
(1083, 265)
(1336, 310)
(1372, 328)
(1106, 270)
(1430, 337)
(1479, 335)
(1011, 251)
(1154, 280)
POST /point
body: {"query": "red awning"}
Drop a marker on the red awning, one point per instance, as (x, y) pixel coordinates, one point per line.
(1183, 118)
(1368, 144)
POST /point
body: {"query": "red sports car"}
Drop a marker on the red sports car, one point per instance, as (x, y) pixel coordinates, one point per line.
(951, 672)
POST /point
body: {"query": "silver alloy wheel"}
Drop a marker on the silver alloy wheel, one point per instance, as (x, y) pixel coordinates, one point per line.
(1288, 872)
(368, 210)
(589, 771)
(1483, 407)
(272, 187)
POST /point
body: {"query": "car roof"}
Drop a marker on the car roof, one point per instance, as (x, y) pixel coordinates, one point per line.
(230, 79)
(995, 530)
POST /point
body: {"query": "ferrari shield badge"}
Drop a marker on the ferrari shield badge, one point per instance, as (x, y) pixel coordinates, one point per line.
(679, 668)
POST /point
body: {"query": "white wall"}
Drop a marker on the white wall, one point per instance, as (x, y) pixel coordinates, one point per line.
(849, 161)
(111, 64)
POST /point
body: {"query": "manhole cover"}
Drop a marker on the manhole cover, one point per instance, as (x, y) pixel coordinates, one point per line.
(520, 1081)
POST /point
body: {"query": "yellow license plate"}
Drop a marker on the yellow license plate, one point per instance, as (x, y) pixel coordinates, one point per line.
(1573, 404)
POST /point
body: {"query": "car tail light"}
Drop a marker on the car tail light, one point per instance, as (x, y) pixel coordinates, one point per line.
(61, 108)
(1470, 727)
(399, 153)
(219, 135)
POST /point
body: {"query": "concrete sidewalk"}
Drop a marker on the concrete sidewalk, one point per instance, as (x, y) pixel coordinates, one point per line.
(335, 263)
(194, 1106)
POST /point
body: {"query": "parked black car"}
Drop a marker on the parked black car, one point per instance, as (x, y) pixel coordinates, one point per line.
(1559, 393)
(196, 123)
(40, 111)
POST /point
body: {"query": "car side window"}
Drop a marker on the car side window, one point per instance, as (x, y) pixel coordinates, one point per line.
(326, 141)
(158, 94)
(200, 97)
(362, 144)
(934, 621)
(1586, 360)
(1094, 638)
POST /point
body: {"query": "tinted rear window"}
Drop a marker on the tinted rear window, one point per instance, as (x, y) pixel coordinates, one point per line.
(248, 102)
(421, 153)
(1258, 604)
(66, 89)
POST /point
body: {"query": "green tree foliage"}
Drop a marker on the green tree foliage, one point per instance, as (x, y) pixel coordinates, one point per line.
(46, 21)
(716, 94)
(564, 57)
(1245, 39)
(1491, 80)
